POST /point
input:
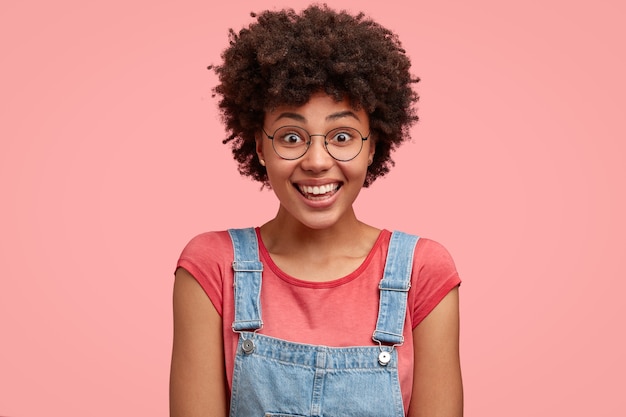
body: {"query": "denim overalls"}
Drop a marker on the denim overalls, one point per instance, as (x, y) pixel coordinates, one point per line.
(277, 378)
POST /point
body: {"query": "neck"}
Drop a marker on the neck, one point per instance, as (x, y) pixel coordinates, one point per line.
(284, 232)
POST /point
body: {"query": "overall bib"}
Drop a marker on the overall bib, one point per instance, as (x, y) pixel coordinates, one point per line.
(278, 378)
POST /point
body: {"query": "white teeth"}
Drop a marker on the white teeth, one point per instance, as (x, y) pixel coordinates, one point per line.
(316, 190)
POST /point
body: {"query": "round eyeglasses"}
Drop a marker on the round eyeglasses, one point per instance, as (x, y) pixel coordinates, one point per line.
(291, 142)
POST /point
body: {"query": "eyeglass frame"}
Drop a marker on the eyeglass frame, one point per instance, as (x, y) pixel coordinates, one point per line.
(308, 143)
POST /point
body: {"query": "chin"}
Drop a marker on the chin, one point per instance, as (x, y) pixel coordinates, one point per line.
(320, 221)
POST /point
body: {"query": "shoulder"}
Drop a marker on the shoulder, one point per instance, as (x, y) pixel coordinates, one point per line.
(207, 255)
(433, 256)
(208, 258)
(434, 275)
(208, 245)
(428, 254)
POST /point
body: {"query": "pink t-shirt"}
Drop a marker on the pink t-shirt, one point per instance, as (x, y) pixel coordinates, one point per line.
(336, 313)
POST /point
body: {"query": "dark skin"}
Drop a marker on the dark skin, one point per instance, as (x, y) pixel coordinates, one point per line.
(314, 238)
(312, 69)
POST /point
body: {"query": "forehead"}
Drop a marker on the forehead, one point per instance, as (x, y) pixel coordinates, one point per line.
(319, 108)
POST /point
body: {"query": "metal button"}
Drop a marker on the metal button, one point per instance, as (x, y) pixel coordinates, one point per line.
(247, 346)
(384, 358)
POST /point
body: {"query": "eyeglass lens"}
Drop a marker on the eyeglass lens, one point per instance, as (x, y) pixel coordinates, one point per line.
(292, 142)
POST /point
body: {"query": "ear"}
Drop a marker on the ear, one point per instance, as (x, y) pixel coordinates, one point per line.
(258, 138)
(372, 150)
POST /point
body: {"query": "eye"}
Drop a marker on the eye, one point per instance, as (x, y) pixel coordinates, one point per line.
(342, 136)
(290, 137)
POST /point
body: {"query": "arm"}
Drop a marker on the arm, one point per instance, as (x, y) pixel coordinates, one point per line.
(198, 386)
(437, 385)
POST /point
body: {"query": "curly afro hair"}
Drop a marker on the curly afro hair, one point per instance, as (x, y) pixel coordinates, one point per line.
(284, 58)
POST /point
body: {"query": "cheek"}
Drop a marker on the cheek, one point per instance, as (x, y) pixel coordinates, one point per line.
(357, 170)
(277, 170)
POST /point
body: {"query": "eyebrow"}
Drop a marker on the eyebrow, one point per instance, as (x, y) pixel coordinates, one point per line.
(342, 114)
(330, 117)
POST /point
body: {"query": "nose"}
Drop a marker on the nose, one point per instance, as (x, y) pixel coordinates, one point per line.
(317, 158)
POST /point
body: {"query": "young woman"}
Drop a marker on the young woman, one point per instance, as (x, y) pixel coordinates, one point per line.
(315, 313)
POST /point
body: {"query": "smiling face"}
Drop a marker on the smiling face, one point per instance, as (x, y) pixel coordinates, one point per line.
(316, 190)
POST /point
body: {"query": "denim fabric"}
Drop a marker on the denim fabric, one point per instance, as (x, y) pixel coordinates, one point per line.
(394, 288)
(248, 277)
(277, 378)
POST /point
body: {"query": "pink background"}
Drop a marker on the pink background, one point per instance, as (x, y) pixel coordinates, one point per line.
(110, 161)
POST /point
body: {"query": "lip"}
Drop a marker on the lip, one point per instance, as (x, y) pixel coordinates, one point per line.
(321, 201)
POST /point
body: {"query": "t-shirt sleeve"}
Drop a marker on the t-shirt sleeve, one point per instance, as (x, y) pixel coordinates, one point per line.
(434, 276)
(206, 257)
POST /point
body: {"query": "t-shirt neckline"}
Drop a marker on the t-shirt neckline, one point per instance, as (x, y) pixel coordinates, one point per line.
(266, 259)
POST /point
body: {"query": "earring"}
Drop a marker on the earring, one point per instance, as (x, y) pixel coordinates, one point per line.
(262, 162)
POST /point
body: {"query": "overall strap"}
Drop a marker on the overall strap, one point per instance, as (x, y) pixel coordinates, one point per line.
(247, 280)
(394, 289)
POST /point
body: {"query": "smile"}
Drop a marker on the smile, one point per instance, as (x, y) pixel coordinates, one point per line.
(318, 191)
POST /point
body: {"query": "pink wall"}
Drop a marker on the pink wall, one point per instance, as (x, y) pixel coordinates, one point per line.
(110, 160)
